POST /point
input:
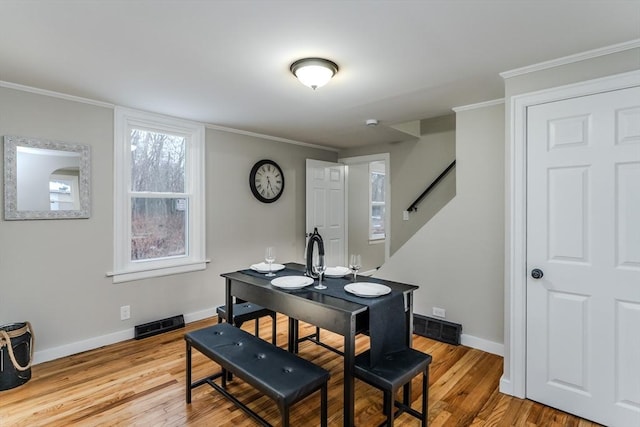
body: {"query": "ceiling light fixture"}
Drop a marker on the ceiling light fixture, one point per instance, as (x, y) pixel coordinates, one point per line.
(314, 72)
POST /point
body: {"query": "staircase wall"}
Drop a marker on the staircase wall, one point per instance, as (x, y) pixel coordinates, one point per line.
(415, 163)
(457, 257)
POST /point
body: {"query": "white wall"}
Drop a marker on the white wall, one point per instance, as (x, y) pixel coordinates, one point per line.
(457, 257)
(52, 272)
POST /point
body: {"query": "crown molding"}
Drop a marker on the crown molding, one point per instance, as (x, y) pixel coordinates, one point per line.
(94, 102)
(54, 94)
(269, 137)
(607, 50)
(479, 105)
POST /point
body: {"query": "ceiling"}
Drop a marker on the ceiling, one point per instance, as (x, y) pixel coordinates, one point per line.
(226, 63)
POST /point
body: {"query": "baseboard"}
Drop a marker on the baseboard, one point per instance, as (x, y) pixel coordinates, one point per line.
(128, 334)
(482, 344)
(505, 386)
(80, 346)
(367, 273)
(100, 341)
(199, 315)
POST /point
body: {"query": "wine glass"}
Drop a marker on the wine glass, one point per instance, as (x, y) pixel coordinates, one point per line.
(319, 267)
(355, 263)
(269, 257)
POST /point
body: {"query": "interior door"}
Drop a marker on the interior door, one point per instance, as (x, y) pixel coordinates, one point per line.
(326, 207)
(583, 237)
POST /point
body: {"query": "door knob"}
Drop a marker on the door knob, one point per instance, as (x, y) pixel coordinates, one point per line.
(536, 273)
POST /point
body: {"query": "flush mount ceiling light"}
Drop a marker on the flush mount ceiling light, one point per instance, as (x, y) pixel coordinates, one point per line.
(314, 72)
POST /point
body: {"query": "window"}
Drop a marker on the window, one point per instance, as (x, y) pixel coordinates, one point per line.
(376, 200)
(159, 196)
(63, 192)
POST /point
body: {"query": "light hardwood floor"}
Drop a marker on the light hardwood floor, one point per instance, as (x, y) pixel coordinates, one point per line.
(141, 383)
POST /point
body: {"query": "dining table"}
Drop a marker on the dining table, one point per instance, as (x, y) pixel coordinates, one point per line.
(384, 318)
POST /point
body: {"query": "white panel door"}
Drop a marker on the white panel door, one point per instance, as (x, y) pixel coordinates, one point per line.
(326, 207)
(583, 233)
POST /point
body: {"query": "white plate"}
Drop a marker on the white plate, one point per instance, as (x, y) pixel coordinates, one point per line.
(292, 282)
(367, 289)
(336, 271)
(263, 267)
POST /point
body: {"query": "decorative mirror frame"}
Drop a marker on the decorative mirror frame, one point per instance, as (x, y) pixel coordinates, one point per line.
(11, 212)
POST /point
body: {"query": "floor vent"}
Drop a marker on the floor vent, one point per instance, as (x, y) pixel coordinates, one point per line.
(159, 326)
(437, 329)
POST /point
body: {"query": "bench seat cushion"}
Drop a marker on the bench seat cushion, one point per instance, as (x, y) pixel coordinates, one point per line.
(281, 375)
(394, 370)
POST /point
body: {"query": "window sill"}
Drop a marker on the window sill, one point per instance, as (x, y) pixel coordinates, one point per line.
(129, 276)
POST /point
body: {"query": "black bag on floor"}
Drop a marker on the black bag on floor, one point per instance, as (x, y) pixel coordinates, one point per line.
(16, 352)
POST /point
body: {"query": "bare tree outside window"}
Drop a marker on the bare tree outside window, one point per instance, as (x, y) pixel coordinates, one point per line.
(159, 197)
(158, 204)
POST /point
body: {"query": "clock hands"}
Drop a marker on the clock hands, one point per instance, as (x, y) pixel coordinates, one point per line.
(267, 189)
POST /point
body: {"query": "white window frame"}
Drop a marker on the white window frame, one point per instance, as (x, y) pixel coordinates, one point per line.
(194, 259)
(376, 238)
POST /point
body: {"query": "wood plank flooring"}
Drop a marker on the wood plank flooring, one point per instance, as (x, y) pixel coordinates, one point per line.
(141, 383)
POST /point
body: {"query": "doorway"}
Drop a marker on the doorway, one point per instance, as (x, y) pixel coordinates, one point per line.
(368, 214)
(325, 208)
(583, 251)
(597, 381)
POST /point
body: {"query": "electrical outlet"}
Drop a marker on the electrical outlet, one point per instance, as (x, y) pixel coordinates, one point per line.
(440, 312)
(405, 215)
(125, 312)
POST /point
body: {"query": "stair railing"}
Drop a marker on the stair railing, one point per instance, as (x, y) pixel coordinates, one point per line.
(414, 205)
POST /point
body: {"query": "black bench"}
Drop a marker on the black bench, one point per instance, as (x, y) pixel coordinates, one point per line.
(282, 376)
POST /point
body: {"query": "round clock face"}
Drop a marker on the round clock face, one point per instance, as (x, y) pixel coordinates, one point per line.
(266, 181)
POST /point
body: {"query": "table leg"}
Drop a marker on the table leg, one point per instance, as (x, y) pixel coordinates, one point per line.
(229, 301)
(188, 373)
(293, 335)
(406, 394)
(409, 314)
(349, 382)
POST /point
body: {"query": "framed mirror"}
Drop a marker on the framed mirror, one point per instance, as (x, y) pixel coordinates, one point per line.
(46, 179)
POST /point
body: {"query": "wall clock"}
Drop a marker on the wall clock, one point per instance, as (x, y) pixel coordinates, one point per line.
(266, 181)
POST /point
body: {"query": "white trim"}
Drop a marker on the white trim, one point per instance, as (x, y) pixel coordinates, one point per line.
(194, 133)
(128, 276)
(269, 137)
(607, 50)
(371, 205)
(102, 340)
(506, 387)
(128, 334)
(97, 103)
(482, 344)
(386, 157)
(479, 105)
(53, 94)
(368, 273)
(80, 346)
(199, 315)
(514, 378)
